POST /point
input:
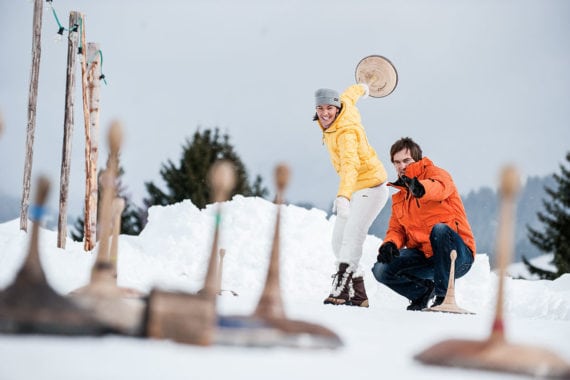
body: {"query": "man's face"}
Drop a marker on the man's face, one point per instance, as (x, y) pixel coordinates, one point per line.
(401, 160)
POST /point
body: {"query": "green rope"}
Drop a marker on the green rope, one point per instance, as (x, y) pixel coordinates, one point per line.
(75, 28)
(61, 27)
(92, 58)
(80, 32)
(102, 75)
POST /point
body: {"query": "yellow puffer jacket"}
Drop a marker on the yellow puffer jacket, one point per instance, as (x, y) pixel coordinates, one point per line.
(353, 158)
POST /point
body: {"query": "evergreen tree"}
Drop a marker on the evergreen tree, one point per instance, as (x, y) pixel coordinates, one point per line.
(131, 219)
(187, 180)
(556, 219)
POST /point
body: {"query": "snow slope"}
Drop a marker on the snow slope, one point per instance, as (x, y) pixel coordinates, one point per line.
(171, 253)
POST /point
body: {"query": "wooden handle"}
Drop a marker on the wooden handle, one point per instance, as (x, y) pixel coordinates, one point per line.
(42, 191)
(510, 182)
(118, 208)
(32, 269)
(222, 179)
(115, 137)
(270, 303)
(282, 175)
(509, 186)
(108, 191)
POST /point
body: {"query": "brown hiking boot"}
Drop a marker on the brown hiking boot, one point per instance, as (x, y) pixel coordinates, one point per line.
(359, 297)
(340, 293)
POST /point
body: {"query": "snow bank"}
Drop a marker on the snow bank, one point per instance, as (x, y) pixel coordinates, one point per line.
(172, 252)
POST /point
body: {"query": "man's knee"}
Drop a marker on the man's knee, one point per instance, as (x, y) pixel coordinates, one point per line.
(379, 272)
(438, 230)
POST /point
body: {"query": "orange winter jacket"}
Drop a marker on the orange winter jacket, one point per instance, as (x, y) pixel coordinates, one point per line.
(353, 158)
(413, 218)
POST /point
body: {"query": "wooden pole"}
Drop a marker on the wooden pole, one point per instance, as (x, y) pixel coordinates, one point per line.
(32, 103)
(87, 231)
(92, 143)
(74, 20)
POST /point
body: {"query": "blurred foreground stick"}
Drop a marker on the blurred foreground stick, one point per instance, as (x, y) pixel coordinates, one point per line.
(191, 318)
(30, 305)
(122, 308)
(269, 326)
(495, 353)
(221, 255)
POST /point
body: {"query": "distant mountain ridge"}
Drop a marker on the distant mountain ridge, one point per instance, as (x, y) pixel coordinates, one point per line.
(10, 210)
(9, 207)
(481, 206)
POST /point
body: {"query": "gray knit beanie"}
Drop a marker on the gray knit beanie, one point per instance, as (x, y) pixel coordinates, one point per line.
(327, 96)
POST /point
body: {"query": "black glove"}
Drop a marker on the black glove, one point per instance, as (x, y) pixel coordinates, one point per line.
(418, 190)
(387, 252)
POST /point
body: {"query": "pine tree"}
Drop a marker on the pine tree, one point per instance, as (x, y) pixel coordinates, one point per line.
(556, 235)
(187, 180)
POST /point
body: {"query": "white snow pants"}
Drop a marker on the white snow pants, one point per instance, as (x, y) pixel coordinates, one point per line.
(349, 233)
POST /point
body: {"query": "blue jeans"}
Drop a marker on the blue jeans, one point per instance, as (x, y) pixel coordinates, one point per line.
(411, 273)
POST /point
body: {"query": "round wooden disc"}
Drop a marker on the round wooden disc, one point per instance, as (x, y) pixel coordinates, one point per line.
(378, 73)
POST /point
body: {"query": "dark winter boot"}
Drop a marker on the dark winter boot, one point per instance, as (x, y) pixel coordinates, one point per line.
(340, 293)
(438, 301)
(422, 302)
(358, 295)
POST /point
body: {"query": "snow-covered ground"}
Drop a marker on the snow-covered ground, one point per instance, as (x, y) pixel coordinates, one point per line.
(171, 253)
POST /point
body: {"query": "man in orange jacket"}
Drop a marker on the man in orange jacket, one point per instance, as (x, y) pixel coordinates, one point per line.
(428, 221)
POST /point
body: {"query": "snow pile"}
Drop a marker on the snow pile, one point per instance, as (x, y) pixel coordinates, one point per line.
(172, 252)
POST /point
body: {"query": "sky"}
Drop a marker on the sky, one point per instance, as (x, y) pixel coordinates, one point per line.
(171, 254)
(480, 84)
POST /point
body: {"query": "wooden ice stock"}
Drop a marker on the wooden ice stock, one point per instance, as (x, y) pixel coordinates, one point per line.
(449, 305)
(30, 306)
(191, 318)
(268, 326)
(495, 353)
(122, 308)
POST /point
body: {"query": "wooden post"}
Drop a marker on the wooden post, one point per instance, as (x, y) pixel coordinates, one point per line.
(92, 145)
(87, 232)
(32, 102)
(74, 20)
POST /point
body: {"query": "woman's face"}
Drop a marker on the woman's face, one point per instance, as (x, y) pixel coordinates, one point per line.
(326, 114)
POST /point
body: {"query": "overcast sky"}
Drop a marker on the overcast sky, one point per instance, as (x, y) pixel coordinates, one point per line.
(481, 83)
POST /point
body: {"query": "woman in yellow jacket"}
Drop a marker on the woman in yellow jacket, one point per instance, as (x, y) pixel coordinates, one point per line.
(362, 190)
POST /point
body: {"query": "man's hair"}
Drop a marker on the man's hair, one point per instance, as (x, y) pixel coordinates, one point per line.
(409, 144)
